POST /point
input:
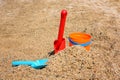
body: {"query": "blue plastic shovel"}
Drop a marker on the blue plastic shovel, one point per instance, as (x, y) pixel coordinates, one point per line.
(38, 64)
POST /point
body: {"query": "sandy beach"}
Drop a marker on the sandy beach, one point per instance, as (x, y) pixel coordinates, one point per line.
(28, 29)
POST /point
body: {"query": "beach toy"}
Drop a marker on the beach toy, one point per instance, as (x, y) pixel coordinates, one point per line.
(81, 39)
(38, 64)
(59, 44)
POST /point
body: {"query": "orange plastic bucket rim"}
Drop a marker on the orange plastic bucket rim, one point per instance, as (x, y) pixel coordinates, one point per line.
(80, 37)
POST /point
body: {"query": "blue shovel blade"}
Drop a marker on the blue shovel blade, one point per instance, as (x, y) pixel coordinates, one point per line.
(38, 64)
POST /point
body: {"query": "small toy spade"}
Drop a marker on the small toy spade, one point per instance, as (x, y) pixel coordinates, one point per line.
(38, 64)
(59, 44)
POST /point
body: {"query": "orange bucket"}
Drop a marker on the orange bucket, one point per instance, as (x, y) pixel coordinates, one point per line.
(82, 39)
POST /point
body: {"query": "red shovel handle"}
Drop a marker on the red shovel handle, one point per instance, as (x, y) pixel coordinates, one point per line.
(62, 25)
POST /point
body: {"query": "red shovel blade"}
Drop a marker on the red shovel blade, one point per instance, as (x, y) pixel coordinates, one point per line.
(58, 47)
(59, 44)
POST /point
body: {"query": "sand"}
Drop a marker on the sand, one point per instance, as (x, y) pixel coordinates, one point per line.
(28, 29)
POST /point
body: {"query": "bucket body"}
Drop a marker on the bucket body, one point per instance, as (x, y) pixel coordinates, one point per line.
(82, 39)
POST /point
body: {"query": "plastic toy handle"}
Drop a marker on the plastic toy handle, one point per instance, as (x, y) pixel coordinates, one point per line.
(62, 25)
(17, 63)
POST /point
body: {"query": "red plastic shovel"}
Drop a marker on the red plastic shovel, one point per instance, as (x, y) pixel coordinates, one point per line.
(59, 44)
